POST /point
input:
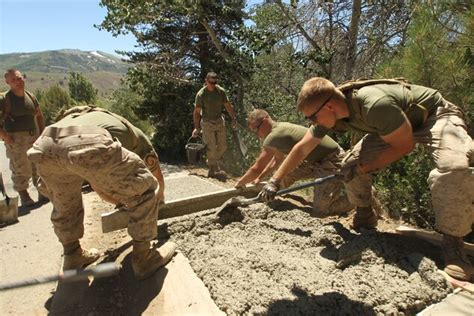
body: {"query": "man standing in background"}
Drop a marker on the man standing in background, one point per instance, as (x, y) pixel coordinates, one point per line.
(207, 115)
(22, 123)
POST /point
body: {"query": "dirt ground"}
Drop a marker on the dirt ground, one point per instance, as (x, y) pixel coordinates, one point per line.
(264, 259)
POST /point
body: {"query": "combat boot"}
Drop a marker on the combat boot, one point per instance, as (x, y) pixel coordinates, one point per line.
(212, 171)
(80, 258)
(25, 198)
(365, 217)
(146, 260)
(456, 262)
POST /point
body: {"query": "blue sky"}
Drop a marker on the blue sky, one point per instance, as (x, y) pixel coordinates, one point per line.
(39, 25)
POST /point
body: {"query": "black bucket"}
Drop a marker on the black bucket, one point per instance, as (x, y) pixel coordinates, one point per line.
(194, 151)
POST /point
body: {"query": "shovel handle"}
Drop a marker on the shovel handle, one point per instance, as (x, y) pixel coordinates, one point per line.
(306, 185)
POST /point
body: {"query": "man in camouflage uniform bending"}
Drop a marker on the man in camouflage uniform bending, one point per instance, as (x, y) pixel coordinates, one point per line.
(278, 139)
(22, 123)
(395, 116)
(120, 164)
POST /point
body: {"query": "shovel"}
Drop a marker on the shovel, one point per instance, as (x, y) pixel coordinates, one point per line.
(99, 271)
(240, 142)
(241, 201)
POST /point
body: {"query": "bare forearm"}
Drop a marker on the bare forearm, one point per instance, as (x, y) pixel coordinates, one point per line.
(40, 122)
(3, 134)
(248, 177)
(268, 169)
(197, 120)
(159, 177)
(383, 159)
(230, 110)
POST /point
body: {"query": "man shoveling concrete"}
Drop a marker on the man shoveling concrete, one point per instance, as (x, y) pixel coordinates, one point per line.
(278, 140)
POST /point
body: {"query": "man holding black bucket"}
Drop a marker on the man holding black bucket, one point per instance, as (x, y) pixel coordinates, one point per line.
(207, 116)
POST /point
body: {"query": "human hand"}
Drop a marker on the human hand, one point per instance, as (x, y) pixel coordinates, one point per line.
(8, 139)
(235, 125)
(196, 132)
(269, 191)
(239, 186)
(256, 181)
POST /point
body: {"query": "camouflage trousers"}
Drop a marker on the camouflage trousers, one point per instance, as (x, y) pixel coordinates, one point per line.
(65, 157)
(22, 169)
(215, 137)
(444, 135)
(329, 197)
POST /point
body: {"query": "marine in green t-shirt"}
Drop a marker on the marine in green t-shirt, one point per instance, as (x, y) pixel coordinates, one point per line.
(284, 136)
(210, 101)
(396, 116)
(278, 140)
(21, 123)
(382, 108)
(128, 135)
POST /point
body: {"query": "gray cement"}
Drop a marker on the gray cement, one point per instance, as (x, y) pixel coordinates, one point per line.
(260, 260)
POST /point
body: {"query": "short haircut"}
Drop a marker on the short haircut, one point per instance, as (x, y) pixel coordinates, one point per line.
(212, 75)
(315, 92)
(257, 116)
(10, 71)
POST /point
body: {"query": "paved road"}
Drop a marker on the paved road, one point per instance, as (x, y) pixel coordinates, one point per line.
(30, 249)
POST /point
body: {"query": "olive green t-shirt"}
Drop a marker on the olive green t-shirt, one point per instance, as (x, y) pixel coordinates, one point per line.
(382, 108)
(114, 126)
(284, 137)
(211, 102)
(22, 112)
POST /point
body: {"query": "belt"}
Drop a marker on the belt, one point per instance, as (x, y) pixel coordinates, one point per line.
(61, 132)
(212, 120)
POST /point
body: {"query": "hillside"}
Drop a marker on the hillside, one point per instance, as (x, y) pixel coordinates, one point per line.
(47, 68)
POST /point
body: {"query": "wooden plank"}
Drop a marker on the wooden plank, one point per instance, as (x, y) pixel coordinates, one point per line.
(116, 220)
(430, 236)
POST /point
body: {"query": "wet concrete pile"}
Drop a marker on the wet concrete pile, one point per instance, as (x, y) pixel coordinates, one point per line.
(279, 260)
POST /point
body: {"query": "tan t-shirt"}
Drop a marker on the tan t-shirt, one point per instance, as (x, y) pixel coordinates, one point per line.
(211, 102)
(382, 108)
(284, 137)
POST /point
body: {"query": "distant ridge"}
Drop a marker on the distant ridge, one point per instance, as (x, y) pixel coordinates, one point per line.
(47, 68)
(64, 61)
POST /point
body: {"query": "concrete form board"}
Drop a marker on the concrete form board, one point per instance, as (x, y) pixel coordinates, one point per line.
(210, 197)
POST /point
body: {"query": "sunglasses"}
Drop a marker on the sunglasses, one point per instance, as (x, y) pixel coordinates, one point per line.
(255, 129)
(313, 116)
(213, 81)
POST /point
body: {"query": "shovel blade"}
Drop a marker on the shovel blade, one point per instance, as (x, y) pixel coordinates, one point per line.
(235, 202)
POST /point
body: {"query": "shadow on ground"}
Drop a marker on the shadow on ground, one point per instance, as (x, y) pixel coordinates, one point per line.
(119, 295)
(350, 250)
(331, 303)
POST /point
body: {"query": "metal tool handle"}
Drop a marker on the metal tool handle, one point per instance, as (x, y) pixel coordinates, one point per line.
(100, 271)
(307, 184)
